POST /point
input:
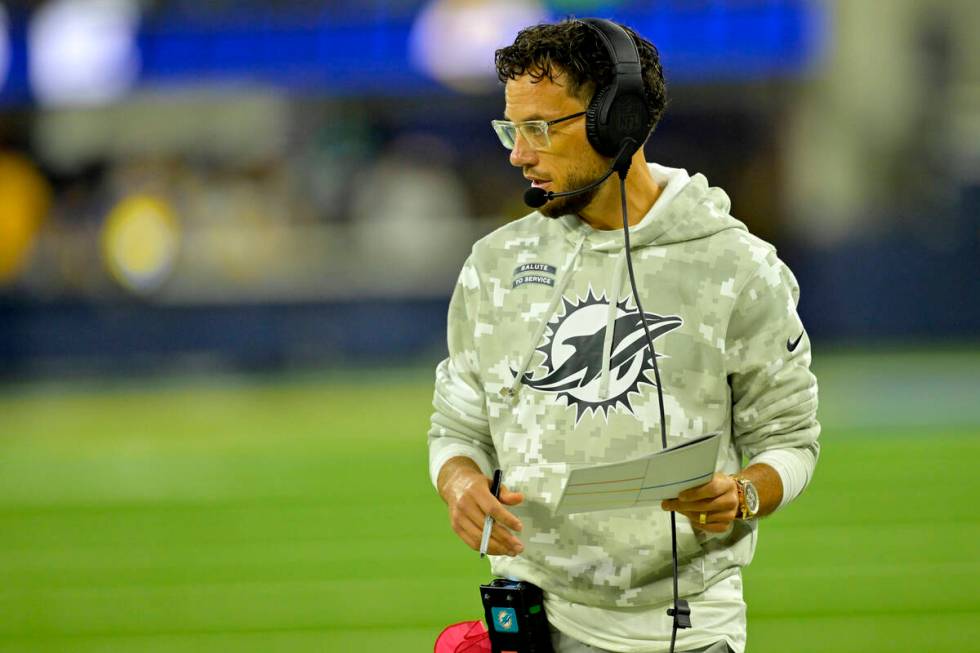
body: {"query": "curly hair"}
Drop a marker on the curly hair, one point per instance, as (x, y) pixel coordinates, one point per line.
(572, 48)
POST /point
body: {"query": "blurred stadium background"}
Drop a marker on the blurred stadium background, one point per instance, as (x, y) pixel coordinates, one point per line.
(228, 233)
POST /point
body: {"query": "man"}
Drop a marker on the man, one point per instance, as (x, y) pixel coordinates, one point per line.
(544, 374)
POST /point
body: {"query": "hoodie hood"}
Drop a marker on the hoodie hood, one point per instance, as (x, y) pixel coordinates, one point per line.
(687, 209)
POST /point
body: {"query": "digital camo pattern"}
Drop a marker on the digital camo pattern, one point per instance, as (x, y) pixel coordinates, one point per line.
(724, 364)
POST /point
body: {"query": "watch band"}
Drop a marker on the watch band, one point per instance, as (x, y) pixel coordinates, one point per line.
(740, 489)
(743, 511)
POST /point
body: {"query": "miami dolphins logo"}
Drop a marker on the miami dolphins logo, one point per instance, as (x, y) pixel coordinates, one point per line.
(573, 354)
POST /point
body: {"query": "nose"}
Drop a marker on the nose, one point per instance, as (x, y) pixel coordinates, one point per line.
(523, 155)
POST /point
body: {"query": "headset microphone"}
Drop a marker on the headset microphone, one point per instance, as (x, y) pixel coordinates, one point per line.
(535, 197)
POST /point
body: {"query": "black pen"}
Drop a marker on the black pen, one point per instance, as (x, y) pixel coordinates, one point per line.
(488, 522)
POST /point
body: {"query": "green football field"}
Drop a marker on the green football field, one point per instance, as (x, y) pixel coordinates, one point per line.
(295, 514)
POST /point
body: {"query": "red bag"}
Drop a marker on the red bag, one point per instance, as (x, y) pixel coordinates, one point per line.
(464, 637)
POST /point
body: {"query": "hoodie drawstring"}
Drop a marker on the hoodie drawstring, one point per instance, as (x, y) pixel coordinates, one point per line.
(563, 280)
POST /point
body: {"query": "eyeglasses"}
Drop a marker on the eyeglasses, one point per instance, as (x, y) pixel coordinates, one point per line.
(535, 132)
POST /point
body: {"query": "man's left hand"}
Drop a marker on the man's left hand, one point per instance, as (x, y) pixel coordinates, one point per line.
(716, 500)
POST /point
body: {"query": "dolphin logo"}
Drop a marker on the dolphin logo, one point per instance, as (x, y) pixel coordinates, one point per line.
(574, 351)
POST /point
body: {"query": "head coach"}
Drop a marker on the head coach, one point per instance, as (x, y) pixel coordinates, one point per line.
(560, 356)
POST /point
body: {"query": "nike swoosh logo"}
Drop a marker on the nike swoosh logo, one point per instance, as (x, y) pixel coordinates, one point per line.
(792, 344)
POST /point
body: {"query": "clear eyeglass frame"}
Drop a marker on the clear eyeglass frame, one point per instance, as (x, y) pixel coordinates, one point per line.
(535, 132)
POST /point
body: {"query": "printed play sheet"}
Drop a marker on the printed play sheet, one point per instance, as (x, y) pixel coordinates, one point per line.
(642, 481)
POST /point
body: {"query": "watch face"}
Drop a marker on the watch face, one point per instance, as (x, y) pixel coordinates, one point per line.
(751, 498)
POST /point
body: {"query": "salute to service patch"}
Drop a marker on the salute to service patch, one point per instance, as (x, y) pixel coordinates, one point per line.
(539, 270)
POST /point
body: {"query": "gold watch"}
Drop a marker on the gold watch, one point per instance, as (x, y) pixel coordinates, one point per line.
(748, 498)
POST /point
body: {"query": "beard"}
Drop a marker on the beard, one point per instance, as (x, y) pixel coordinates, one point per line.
(573, 204)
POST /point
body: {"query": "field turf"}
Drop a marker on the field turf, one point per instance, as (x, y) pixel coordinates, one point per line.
(295, 514)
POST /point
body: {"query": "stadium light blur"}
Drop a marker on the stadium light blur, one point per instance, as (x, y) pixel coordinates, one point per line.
(26, 197)
(454, 42)
(140, 242)
(83, 52)
(4, 46)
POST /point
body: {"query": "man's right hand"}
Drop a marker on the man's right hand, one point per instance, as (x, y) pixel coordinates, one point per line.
(466, 491)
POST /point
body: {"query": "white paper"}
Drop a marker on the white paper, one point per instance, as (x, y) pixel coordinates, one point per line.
(642, 481)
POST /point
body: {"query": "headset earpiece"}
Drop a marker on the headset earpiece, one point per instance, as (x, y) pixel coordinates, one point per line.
(617, 111)
(592, 130)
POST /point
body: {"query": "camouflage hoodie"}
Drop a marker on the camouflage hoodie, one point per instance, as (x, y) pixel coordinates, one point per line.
(547, 371)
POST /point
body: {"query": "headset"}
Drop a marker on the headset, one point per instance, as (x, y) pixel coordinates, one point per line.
(617, 113)
(617, 123)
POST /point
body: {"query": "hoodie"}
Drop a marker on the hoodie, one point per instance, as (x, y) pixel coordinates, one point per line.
(548, 371)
